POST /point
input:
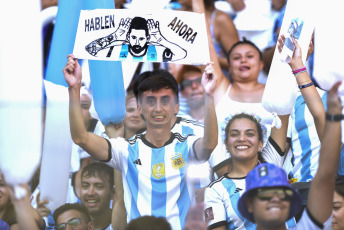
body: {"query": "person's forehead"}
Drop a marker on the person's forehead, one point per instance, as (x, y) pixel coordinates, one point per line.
(85, 98)
(68, 215)
(242, 124)
(92, 179)
(131, 102)
(193, 74)
(158, 94)
(244, 48)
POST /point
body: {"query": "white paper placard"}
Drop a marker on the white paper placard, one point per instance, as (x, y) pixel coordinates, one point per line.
(162, 36)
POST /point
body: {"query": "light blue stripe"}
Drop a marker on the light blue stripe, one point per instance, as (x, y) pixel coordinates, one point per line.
(186, 130)
(132, 179)
(124, 52)
(184, 201)
(340, 170)
(159, 187)
(234, 199)
(151, 53)
(305, 142)
(291, 223)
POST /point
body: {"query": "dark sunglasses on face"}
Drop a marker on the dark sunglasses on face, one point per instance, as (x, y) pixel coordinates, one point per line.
(187, 83)
(283, 194)
(72, 223)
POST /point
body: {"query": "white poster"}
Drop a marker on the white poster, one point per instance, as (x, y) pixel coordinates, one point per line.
(122, 34)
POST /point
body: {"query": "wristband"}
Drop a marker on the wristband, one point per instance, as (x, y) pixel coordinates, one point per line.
(334, 117)
(295, 71)
(302, 71)
(306, 85)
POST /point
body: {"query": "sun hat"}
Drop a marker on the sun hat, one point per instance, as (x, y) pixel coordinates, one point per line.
(268, 175)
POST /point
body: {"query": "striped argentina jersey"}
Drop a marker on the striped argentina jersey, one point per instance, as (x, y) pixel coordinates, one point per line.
(221, 204)
(200, 173)
(154, 179)
(305, 142)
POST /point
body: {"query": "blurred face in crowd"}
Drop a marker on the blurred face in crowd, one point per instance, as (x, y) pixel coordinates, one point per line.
(72, 219)
(132, 119)
(245, 63)
(243, 140)
(193, 89)
(4, 196)
(85, 103)
(338, 212)
(95, 194)
(270, 207)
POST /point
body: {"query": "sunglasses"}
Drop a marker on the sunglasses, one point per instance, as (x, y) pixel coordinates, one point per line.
(282, 193)
(187, 83)
(72, 223)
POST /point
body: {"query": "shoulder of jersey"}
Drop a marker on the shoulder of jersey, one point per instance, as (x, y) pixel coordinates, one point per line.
(216, 181)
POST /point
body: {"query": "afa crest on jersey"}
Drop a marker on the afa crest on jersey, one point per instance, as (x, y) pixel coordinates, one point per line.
(158, 170)
(178, 161)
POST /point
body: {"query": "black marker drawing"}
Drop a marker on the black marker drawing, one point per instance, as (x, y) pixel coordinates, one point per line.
(138, 38)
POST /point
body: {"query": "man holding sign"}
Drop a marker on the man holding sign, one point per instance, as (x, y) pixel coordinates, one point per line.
(153, 164)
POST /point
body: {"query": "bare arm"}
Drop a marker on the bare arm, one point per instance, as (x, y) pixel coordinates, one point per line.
(322, 187)
(27, 217)
(95, 145)
(227, 35)
(119, 213)
(280, 135)
(207, 144)
(237, 5)
(222, 82)
(310, 94)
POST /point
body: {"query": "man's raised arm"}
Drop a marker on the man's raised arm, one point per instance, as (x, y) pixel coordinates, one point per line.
(95, 145)
(322, 188)
(207, 144)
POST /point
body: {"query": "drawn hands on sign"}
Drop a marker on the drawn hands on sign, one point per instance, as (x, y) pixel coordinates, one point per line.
(122, 30)
(154, 31)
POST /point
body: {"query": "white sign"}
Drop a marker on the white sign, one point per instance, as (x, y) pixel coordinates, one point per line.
(122, 34)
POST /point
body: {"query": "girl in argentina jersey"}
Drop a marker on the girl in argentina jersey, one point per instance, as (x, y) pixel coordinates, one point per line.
(244, 141)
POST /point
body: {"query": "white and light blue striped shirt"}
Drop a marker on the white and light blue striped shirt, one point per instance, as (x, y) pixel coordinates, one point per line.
(305, 142)
(154, 179)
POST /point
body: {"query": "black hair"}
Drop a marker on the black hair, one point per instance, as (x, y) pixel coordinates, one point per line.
(138, 23)
(154, 81)
(243, 42)
(247, 116)
(149, 223)
(100, 170)
(75, 206)
(340, 186)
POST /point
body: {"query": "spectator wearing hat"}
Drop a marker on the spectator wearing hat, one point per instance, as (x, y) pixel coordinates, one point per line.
(270, 201)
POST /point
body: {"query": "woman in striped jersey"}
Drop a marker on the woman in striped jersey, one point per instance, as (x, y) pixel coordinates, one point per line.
(244, 141)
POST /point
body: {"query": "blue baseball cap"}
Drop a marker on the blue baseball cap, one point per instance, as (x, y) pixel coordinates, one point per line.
(268, 175)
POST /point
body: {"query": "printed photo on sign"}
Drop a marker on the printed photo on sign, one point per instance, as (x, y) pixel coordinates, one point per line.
(120, 35)
(293, 32)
